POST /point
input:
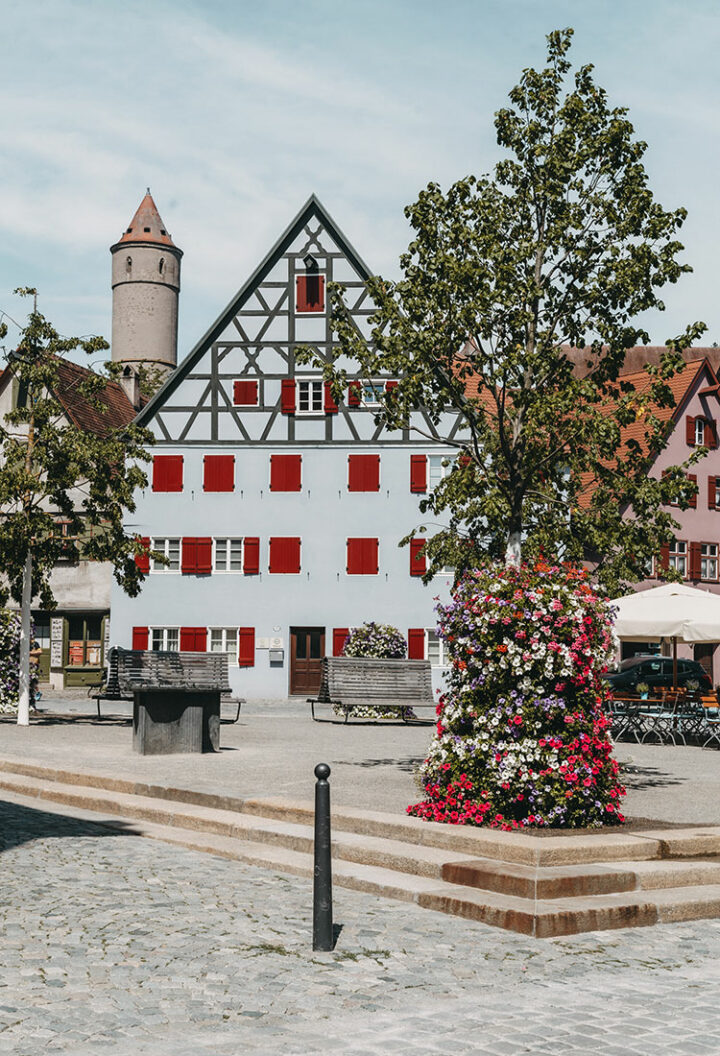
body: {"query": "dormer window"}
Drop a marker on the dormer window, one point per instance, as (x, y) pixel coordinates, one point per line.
(699, 432)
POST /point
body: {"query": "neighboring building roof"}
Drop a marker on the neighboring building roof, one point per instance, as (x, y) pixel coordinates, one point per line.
(639, 356)
(147, 226)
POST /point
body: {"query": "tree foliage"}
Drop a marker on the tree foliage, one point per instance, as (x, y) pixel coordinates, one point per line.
(53, 469)
(564, 246)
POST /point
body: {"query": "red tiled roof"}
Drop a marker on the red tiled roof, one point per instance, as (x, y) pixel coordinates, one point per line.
(147, 225)
(115, 408)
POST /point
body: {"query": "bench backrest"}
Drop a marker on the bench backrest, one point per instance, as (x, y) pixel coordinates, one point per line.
(350, 678)
(135, 667)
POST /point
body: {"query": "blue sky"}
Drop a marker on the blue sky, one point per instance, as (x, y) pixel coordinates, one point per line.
(234, 112)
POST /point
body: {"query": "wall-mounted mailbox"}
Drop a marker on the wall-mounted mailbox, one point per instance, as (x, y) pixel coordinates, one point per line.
(277, 656)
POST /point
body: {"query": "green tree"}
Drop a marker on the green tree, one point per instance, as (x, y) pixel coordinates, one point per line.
(563, 247)
(51, 468)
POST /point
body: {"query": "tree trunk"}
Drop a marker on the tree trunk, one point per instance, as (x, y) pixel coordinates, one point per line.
(23, 718)
(513, 550)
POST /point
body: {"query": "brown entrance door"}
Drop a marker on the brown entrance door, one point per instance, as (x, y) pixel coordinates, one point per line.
(307, 648)
(704, 656)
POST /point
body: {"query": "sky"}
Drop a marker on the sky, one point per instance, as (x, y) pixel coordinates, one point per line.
(233, 112)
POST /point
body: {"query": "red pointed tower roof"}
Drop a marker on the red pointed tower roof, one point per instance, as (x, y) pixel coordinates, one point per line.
(147, 225)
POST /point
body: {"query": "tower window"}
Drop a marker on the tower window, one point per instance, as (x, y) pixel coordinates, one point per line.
(128, 265)
(146, 229)
(161, 265)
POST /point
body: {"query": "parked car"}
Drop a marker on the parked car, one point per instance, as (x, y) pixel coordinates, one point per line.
(656, 671)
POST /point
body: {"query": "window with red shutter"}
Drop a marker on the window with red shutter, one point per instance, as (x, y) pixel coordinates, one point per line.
(196, 555)
(218, 472)
(285, 472)
(340, 636)
(251, 555)
(330, 405)
(143, 560)
(310, 293)
(363, 472)
(189, 555)
(354, 394)
(246, 646)
(390, 385)
(284, 555)
(167, 473)
(694, 560)
(418, 561)
(362, 557)
(245, 393)
(664, 558)
(193, 639)
(693, 498)
(287, 396)
(713, 493)
(418, 474)
(140, 637)
(416, 643)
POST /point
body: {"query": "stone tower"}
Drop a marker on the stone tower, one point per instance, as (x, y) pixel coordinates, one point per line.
(145, 285)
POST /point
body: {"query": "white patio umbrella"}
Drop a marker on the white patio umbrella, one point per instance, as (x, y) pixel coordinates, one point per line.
(672, 611)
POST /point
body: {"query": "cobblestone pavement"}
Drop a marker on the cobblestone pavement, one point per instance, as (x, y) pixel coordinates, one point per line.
(118, 944)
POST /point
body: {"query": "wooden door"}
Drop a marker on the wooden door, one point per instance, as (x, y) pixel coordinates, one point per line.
(704, 655)
(307, 648)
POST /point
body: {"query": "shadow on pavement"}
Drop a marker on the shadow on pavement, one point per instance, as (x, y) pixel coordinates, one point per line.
(407, 766)
(648, 777)
(21, 824)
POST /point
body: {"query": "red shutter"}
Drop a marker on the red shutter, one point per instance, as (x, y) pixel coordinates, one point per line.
(664, 558)
(340, 635)
(464, 460)
(690, 430)
(285, 555)
(188, 562)
(363, 472)
(354, 393)
(310, 293)
(362, 557)
(711, 438)
(418, 561)
(693, 498)
(246, 646)
(143, 560)
(140, 637)
(203, 558)
(251, 556)
(193, 639)
(167, 473)
(245, 393)
(218, 472)
(416, 643)
(694, 560)
(285, 472)
(390, 385)
(712, 492)
(330, 405)
(288, 396)
(418, 473)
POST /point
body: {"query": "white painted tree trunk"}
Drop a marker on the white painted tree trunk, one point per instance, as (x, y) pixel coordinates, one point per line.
(513, 551)
(24, 660)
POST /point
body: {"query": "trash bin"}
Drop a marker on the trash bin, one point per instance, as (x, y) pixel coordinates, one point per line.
(174, 719)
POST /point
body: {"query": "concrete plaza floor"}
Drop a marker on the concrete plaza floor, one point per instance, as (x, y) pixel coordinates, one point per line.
(113, 943)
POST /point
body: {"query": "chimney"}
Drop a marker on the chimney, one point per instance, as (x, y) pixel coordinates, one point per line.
(131, 384)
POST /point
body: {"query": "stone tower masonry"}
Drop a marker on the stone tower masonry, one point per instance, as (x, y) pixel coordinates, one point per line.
(145, 285)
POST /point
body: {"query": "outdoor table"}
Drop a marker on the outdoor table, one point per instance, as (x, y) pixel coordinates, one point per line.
(172, 719)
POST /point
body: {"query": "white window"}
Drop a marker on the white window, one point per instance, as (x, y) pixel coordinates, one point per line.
(310, 397)
(678, 557)
(371, 393)
(224, 640)
(439, 467)
(227, 555)
(436, 650)
(165, 639)
(699, 432)
(709, 561)
(171, 550)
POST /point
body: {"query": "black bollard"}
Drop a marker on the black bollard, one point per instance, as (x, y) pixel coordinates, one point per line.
(322, 886)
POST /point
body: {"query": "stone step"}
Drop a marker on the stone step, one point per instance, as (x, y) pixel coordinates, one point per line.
(533, 917)
(579, 848)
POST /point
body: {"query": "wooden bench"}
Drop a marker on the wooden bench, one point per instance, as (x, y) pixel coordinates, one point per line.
(131, 669)
(350, 682)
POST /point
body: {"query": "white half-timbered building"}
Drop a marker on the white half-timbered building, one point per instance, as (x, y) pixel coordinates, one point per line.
(280, 511)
